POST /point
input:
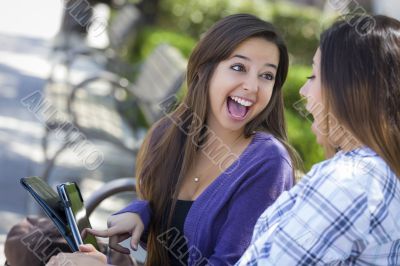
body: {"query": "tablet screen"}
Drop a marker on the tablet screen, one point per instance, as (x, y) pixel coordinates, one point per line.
(45, 196)
(79, 212)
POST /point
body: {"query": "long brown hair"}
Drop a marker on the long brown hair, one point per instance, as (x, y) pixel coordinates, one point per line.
(170, 147)
(360, 76)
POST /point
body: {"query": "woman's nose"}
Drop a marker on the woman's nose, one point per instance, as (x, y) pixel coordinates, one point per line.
(250, 84)
(303, 90)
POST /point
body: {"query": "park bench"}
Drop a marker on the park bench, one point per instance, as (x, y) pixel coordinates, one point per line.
(90, 107)
(119, 34)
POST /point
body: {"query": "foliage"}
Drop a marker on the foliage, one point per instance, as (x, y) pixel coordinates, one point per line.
(300, 28)
(295, 80)
(300, 25)
(303, 140)
(149, 37)
(191, 17)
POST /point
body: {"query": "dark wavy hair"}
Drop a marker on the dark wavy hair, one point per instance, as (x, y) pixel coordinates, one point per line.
(360, 75)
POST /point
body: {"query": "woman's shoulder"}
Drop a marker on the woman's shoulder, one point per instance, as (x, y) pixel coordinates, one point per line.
(360, 180)
(266, 156)
(362, 161)
(267, 145)
(358, 169)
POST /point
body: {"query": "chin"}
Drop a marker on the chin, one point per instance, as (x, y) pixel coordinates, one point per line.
(233, 126)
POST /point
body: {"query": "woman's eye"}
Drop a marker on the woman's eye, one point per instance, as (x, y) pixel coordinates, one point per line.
(268, 76)
(311, 77)
(238, 67)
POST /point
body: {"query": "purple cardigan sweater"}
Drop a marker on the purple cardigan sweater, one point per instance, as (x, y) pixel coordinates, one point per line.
(220, 223)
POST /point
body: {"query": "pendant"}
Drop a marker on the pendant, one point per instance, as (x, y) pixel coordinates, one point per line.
(196, 179)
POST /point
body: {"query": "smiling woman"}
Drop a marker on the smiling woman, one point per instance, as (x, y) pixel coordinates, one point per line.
(242, 85)
(197, 206)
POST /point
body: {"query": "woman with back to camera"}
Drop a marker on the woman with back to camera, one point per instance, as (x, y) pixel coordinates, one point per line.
(346, 210)
(208, 169)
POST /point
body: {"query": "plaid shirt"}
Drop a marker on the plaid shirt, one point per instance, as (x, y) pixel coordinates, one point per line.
(345, 211)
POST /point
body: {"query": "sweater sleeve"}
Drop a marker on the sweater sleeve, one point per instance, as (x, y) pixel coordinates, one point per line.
(258, 191)
(140, 207)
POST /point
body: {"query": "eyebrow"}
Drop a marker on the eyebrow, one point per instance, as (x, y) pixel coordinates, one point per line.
(248, 59)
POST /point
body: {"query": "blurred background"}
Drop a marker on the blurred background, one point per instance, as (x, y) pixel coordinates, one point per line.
(80, 81)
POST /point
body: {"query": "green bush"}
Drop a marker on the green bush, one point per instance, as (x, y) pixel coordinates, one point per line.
(149, 37)
(300, 25)
(191, 17)
(296, 78)
(303, 140)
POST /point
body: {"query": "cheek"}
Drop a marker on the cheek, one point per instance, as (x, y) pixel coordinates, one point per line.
(314, 102)
(263, 100)
(315, 93)
(269, 96)
(265, 96)
(219, 86)
(216, 98)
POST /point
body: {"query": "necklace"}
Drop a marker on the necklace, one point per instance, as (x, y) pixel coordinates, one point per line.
(200, 174)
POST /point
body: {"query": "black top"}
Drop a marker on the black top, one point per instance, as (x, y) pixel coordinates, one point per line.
(176, 241)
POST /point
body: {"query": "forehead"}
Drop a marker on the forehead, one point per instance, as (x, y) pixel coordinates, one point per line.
(258, 48)
(317, 58)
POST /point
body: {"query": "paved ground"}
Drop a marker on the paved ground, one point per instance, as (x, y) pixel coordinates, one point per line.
(26, 32)
(23, 67)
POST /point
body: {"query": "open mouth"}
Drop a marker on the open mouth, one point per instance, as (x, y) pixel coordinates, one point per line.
(238, 107)
(307, 112)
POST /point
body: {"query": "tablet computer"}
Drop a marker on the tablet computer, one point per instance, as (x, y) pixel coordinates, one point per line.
(51, 204)
(75, 212)
(64, 208)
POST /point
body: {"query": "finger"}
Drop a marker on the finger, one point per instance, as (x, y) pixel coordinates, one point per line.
(52, 261)
(104, 233)
(136, 234)
(87, 248)
(84, 233)
(57, 260)
(120, 249)
(62, 257)
(113, 244)
(100, 233)
(122, 237)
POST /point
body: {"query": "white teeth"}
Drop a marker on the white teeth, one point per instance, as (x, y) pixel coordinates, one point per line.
(241, 101)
